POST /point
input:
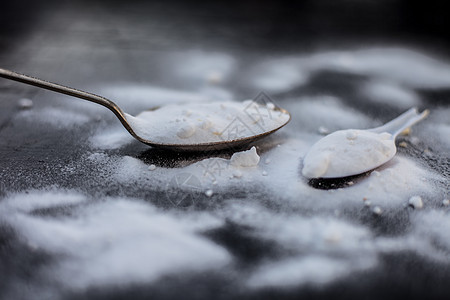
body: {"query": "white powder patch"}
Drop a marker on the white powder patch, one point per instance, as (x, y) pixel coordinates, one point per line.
(433, 227)
(249, 158)
(36, 199)
(310, 113)
(132, 240)
(134, 98)
(206, 122)
(443, 133)
(398, 180)
(53, 116)
(388, 93)
(200, 66)
(278, 75)
(114, 138)
(308, 269)
(129, 169)
(25, 103)
(339, 247)
(402, 66)
(416, 202)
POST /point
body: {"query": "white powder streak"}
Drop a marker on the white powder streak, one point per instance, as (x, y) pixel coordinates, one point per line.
(117, 241)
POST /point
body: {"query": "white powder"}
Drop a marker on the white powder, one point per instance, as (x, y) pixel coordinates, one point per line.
(106, 232)
(278, 75)
(328, 112)
(416, 202)
(249, 158)
(25, 103)
(54, 116)
(377, 210)
(388, 93)
(41, 199)
(401, 66)
(198, 123)
(348, 152)
(200, 66)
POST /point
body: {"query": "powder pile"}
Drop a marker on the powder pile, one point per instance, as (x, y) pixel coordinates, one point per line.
(416, 202)
(247, 158)
(198, 123)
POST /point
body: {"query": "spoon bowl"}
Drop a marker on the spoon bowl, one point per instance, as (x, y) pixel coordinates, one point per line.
(351, 152)
(127, 120)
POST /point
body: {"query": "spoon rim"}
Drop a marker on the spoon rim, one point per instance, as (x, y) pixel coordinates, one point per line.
(220, 144)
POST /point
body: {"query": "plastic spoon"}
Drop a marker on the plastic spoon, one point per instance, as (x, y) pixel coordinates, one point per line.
(350, 152)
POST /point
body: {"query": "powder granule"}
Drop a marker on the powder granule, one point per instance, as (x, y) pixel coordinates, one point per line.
(416, 202)
(249, 158)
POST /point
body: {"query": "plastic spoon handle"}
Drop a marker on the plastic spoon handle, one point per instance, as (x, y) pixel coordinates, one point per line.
(402, 122)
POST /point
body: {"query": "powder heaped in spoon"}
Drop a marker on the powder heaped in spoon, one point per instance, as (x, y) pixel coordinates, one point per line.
(350, 152)
(347, 152)
(199, 123)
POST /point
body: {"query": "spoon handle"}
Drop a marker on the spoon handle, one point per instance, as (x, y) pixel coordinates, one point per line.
(68, 91)
(402, 122)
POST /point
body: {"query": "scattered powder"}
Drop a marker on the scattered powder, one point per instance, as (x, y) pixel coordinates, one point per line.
(433, 226)
(114, 138)
(199, 66)
(136, 98)
(311, 113)
(323, 130)
(388, 93)
(375, 173)
(209, 193)
(214, 77)
(106, 232)
(301, 270)
(25, 103)
(237, 174)
(416, 202)
(277, 75)
(247, 158)
(39, 199)
(402, 67)
(377, 210)
(198, 123)
(57, 117)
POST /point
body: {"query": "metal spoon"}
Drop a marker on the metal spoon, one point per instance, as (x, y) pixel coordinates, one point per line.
(350, 152)
(121, 115)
